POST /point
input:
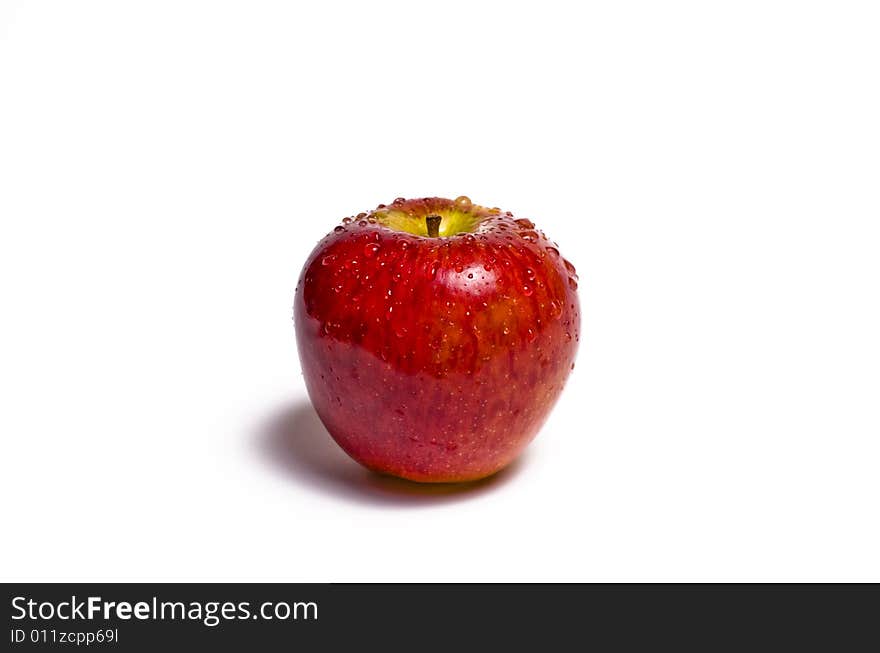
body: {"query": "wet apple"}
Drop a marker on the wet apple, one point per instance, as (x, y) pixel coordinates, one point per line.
(435, 336)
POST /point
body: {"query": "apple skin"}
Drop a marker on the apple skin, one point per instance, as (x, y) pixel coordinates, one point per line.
(435, 359)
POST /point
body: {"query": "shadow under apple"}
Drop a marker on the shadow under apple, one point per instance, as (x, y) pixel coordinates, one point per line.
(295, 441)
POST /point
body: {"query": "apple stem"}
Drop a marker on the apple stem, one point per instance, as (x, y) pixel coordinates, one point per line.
(433, 224)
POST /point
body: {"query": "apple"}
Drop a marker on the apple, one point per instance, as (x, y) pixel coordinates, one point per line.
(435, 335)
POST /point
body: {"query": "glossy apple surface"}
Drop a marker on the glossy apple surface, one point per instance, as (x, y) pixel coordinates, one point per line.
(435, 358)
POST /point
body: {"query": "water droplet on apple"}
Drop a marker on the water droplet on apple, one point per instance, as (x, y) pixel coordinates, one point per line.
(530, 236)
(327, 260)
(569, 266)
(555, 310)
(573, 283)
(505, 330)
(487, 267)
(400, 331)
(553, 251)
(459, 267)
(531, 335)
(346, 220)
(362, 223)
(370, 249)
(469, 238)
(399, 200)
(525, 223)
(463, 202)
(361, 216)
(339, 229)
(527, 290)
(530, 273)
(470, 275)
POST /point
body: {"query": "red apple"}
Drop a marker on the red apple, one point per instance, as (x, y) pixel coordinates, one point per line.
(435, 336)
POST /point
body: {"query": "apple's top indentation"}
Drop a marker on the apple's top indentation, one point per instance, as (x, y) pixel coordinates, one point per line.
(432, 217)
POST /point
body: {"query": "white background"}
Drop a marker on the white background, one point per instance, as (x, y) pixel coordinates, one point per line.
(711, 168)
